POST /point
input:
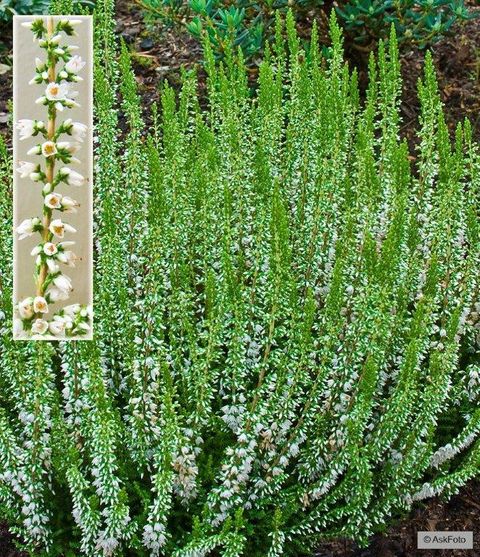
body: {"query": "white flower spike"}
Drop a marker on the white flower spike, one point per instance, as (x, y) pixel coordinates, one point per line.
(51, 284)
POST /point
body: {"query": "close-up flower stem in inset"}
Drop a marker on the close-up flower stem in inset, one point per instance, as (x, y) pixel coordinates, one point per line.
(56, 73)
(50, 167)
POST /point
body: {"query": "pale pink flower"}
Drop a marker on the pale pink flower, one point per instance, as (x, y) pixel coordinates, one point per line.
(56, 91)
(27, 227)
(49, 149)
(49, 248)
(25, 308)
(58, 228)
(75, 64)
(39, 326)
(69, 205)
(67, 257)
(53, 200)
(26, 168)
(40, 305)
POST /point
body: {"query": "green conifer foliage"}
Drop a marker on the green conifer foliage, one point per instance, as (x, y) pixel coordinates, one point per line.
(286, 307)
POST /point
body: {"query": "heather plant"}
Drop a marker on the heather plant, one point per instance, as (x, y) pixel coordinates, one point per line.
(287, 307)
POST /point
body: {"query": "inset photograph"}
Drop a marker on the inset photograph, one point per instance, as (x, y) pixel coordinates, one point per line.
(52, 63)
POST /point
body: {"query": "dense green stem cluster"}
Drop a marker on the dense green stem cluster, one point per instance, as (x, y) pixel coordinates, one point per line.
(287, 307)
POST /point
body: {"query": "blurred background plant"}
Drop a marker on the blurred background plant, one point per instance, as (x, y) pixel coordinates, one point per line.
(248, 25)
(419, 22)
(9, 8)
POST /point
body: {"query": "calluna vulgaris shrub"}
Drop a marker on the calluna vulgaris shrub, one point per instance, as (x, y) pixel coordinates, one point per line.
(286, 347)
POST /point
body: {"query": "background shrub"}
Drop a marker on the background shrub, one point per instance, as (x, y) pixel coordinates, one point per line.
(9, 8)
(286, 313)
(417, 22)
(248, 25)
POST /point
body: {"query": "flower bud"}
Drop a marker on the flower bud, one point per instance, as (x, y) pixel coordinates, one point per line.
(36, 150)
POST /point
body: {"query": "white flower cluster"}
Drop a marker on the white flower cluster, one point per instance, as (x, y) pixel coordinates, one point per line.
(425, 492)
(154, 536)
(52, 285)
(186, 474)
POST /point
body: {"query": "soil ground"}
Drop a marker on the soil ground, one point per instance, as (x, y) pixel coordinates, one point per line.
(158, 54)
(461, 513)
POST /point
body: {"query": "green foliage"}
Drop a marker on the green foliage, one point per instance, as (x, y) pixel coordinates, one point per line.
(230, 26)
(286, 306)
(249, 25)
(8, 8)
(418, 22)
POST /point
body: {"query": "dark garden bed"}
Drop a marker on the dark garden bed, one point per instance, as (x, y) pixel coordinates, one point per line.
(160, 53)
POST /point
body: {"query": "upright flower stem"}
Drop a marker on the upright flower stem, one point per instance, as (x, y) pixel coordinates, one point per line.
(58, 71)
(50, 165)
